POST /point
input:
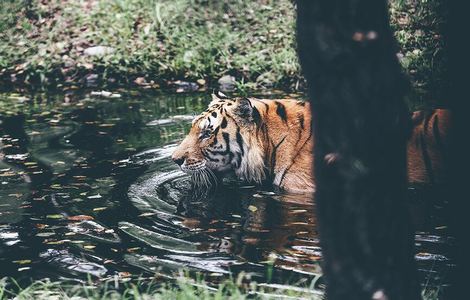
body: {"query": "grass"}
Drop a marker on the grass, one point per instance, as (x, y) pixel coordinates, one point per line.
(183, 288)
(42, 43)
(418, 27)
(178, 39)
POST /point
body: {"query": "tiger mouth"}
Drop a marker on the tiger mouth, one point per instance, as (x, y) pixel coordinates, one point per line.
(194, 168)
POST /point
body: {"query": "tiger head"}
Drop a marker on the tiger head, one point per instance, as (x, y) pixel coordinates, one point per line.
(221, 139)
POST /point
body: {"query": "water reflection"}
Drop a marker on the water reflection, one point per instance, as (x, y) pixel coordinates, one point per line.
(89, 188)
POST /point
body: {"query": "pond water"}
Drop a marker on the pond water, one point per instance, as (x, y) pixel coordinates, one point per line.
(87, 188)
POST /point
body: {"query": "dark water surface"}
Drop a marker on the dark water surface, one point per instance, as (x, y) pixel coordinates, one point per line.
(89, 188)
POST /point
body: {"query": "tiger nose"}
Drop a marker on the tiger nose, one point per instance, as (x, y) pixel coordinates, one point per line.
(178, 160)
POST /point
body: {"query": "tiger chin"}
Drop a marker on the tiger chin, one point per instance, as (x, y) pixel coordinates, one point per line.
(271, 141)
(258, 140)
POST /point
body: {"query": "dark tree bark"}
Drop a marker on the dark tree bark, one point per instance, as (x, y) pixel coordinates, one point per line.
(458, 48)
(348, 55)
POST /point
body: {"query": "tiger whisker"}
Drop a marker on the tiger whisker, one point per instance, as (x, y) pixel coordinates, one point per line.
(206, 178)
(212, 175)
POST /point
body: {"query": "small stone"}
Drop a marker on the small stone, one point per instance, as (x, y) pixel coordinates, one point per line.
(140, 81)
(227, 83)
(98, 51)
(185, 86)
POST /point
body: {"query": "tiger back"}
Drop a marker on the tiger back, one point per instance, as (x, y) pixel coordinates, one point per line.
(428, 146)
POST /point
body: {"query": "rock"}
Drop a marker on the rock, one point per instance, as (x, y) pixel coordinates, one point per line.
(140, 81)
(98, 51)
(185, 86)
(227, 83)
(400, 56)
(106, 94)
(91, 80)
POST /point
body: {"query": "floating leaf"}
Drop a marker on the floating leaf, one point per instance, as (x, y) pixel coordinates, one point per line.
(45, 234)
(22, 261)
(99, 208)
(147, 214)
(56, 216)
(80, 218)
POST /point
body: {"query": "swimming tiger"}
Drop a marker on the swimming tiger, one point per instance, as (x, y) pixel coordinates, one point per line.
(428, 146)
(271, 140)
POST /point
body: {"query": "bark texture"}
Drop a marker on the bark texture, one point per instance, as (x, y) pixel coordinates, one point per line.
(348, 55)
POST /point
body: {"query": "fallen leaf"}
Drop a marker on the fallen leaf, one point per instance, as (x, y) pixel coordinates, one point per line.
(80, 218)
(56, 216)
(252, 208)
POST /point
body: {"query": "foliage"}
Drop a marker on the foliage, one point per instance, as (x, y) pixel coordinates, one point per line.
(43, 43)
(188, 39)
(182, 288)
(418, 26)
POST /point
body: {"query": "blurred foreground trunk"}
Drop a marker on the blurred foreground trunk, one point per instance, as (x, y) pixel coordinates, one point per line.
(458, 47)
(348, 55)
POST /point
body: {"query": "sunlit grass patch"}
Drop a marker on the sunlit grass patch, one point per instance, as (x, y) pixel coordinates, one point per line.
(44, 43)
(186, 39)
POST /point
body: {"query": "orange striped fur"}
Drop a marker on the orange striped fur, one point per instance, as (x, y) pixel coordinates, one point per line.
(261, 140)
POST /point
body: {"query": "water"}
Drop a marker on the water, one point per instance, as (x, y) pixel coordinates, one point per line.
(89, 189)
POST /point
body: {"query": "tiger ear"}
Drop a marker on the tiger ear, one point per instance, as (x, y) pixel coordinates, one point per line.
(244, 109)
(214, 97)
(219, 96)
(246, 112)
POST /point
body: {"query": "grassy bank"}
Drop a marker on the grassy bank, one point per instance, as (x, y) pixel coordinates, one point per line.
(182, 288)
(151, 42)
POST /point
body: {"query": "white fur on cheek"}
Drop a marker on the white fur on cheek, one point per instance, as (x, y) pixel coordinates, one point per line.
(203, 124)
(252, 167)
(212, 120)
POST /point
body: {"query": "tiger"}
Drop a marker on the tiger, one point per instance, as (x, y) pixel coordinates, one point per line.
(262, 140)
(428, 146)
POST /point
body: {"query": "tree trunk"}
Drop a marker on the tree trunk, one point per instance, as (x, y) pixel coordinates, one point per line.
(456, 38)
(348, 55)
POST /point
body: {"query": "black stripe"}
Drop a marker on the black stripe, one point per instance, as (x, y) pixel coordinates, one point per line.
(266, 106)
(274, 153)
(281, 111)
(226, 137)
(214, 114)
(238, 162)
(300, 103)
(224, 123)
(437, 134)
(301, 121)
(426, 158)
(293, 160)
(214, 142)
(256, 116)
(208, 156)
(227, 141)
(426, 122)
(240, 141)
